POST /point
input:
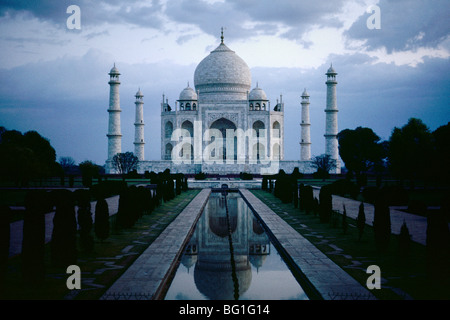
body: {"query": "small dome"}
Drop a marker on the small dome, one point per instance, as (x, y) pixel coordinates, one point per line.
(188, 94)
(305, 93)
(139, 94)
(257, 94)
(114, 70)
(331, 70)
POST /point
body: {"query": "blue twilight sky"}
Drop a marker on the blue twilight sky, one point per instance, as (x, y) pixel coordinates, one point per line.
(55, 80)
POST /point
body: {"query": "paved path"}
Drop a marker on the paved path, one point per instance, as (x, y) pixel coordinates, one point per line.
(146, 277)
(15, 246)
(417, 225)
(327, 278)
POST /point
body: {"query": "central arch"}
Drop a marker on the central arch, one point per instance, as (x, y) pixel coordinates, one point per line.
(223, 125)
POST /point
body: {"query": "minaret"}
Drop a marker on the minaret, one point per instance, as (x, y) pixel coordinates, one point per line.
(331, 124)
(305, 143)
(114, 135)
(139, 127)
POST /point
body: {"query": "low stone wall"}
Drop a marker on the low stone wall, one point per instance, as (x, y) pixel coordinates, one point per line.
(247, 184)
(269, 167)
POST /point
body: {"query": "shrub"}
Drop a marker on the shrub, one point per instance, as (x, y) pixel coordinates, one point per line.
(395, 195)
(108, 188)
(200, 176)
(345, 187)
(101, 226)
(370, 194)
(417, 207)
(245, 176)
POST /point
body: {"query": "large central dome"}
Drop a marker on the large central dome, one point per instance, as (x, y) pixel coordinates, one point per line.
(223, 71)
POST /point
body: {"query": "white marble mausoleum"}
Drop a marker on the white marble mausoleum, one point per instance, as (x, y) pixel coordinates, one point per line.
(221, 125)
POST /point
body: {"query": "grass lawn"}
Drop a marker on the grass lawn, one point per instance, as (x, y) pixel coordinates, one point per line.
(101, 267)
(402, 278)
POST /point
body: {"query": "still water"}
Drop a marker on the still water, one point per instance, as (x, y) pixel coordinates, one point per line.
(229, 256)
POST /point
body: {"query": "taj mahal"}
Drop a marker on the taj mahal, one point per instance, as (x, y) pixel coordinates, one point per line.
(221, 126)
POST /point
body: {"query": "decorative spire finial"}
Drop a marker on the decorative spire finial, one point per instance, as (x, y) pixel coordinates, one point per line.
(221, 37)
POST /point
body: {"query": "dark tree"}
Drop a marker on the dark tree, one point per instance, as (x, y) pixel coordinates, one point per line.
(101, 226)
(441, 156)
(64, 237)
(409, 151)
(25, 157)
(89, 170)
(361, 221)
(361, 151)
(68, 164)
(125, 162)
(323, 164)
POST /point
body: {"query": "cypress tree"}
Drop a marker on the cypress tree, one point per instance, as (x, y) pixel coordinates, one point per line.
(309, 199)
(101, 226)
(382, 224)
(85, 220)
(33, 243)
(344, 221)
(325, 204)
(64, 237)
(361, 220)
(5, 233)
(404, 241)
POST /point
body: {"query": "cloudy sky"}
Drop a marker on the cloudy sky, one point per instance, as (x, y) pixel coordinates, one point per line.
(55, 80)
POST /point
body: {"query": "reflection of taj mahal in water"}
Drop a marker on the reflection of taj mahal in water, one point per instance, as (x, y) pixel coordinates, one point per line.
(222, 126)
(208, 250)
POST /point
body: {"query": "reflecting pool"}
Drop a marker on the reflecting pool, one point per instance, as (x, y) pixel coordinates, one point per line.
(229, 256)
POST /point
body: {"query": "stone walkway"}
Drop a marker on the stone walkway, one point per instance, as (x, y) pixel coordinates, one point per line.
(327, 278)
(417, 225)
(16, 227)
(146, 277)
